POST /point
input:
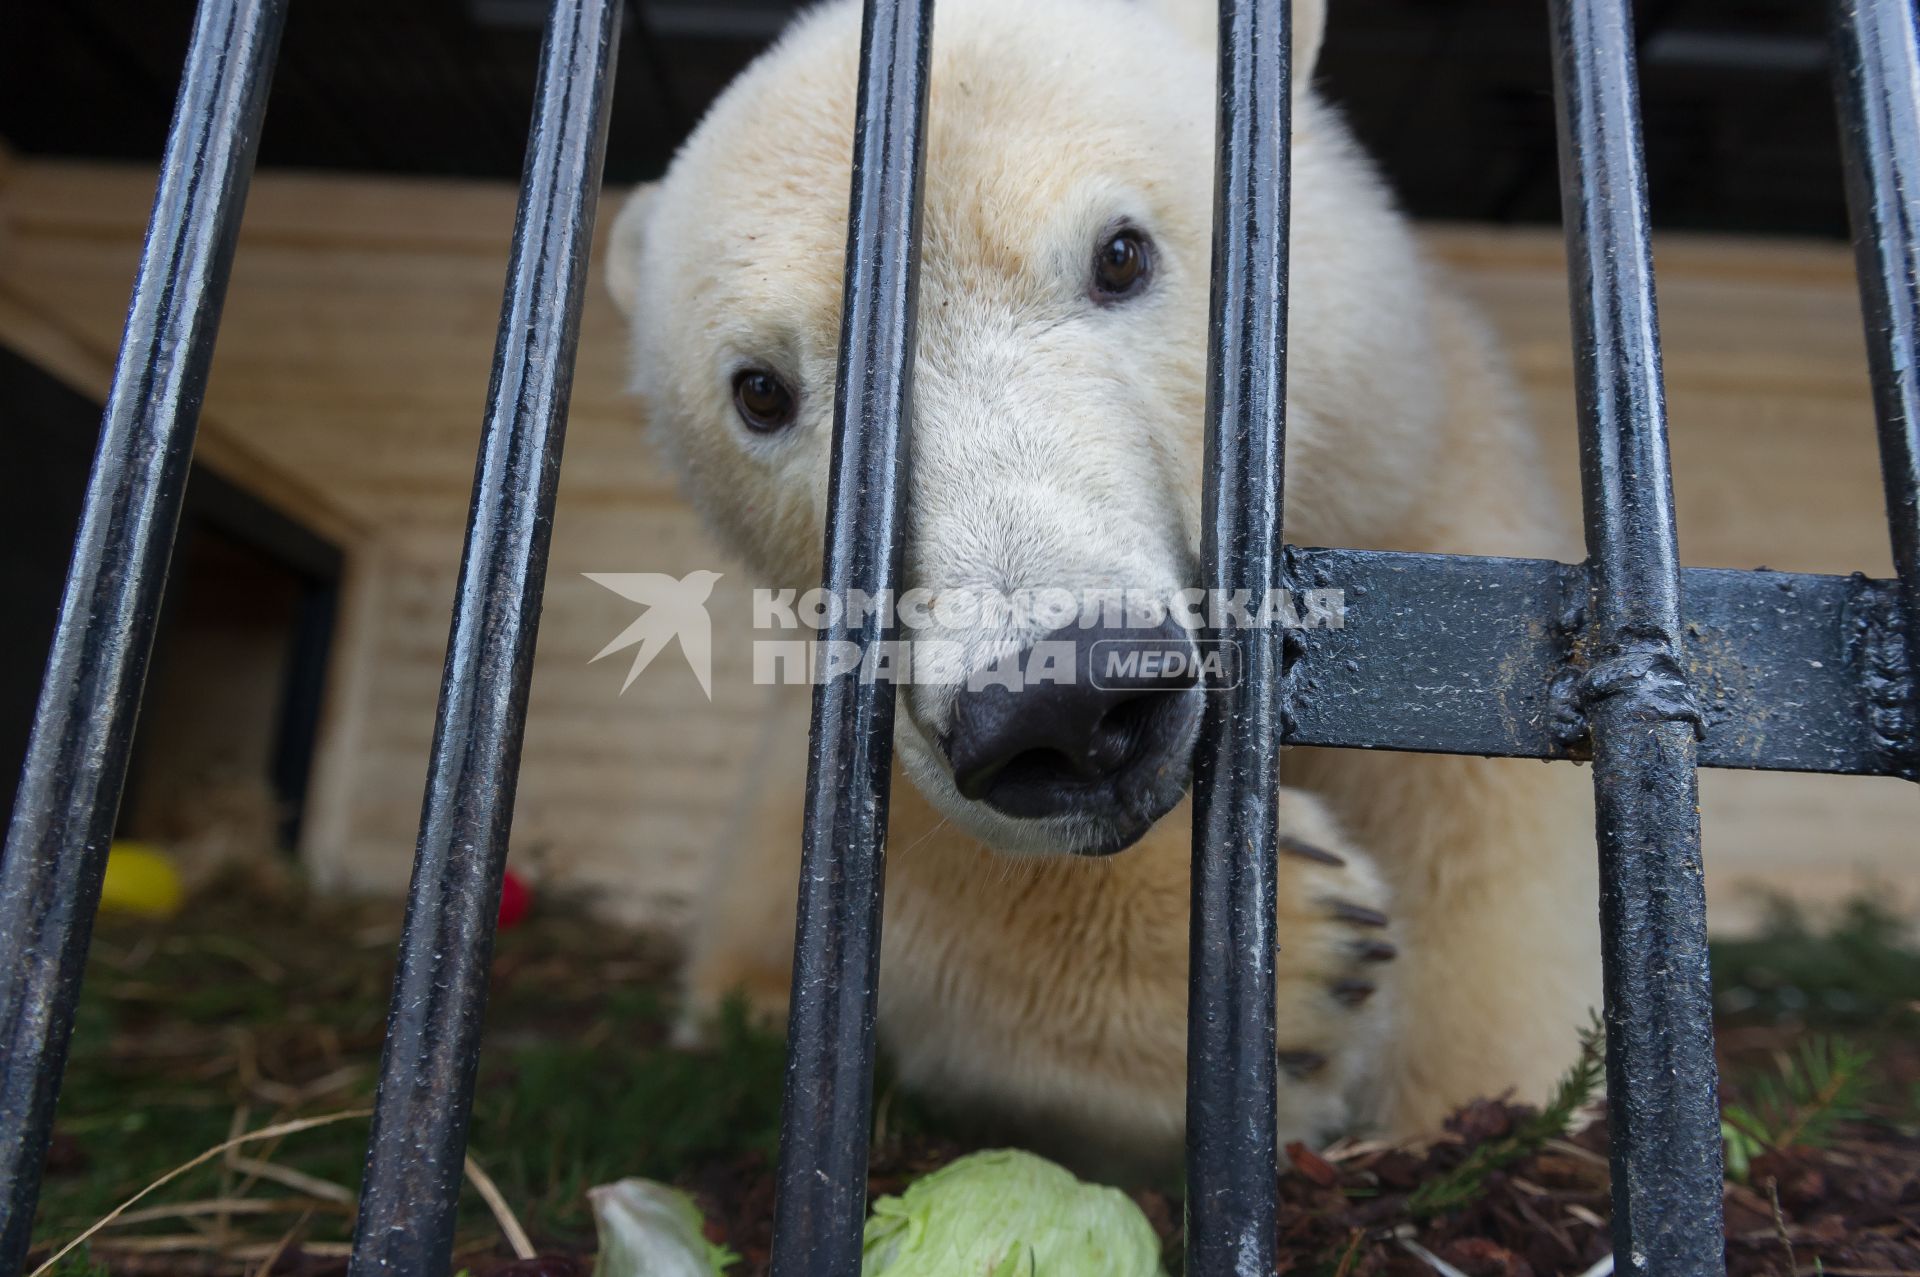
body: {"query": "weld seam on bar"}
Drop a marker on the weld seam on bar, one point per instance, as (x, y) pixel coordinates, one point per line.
(1461, 654)
(1645, 681)
(1877, 83)
(820, 1204)
(1231, 1160)
(76, 764)
(418, 1143)
(1667, 1176)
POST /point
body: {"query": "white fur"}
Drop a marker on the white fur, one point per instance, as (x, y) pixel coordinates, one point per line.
(1056, 443)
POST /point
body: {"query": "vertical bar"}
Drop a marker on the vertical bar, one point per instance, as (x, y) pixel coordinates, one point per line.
(1877, 79)
(821, 1198)
(1231, 1168)
(1661, 1078)
(418, 1146)
(76, 765)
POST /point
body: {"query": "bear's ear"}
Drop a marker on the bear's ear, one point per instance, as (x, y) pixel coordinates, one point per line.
(624, 242)
(1200, 20)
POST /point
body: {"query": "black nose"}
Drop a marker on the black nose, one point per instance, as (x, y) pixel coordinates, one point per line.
(1110, 736)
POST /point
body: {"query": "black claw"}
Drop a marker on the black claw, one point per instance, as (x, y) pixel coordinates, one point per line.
(1300, 1065)
(1307, 851)
(1358, 915)
(1352, 992)
(1375, 951)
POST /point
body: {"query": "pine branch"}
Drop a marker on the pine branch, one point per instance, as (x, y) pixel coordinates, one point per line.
(1814, 1092)
(1467, 1181)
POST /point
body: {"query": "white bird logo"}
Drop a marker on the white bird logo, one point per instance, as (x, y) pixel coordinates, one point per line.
(676, 609)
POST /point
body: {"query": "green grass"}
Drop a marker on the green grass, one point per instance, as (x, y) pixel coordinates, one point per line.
(253, 1012)
(556, 1118)
(224, 1016)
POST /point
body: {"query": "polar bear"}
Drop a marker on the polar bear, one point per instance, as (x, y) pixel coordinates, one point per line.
(1437, 935)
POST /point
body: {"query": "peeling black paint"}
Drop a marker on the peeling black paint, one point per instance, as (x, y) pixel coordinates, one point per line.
(1232, 1165)
(76, 765)
(821, 1200)
(416, 1155)
(1462, 655)
(1642, 717)
(1876, 75)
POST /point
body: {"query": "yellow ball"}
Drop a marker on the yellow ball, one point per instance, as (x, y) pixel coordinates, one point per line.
(141, 880)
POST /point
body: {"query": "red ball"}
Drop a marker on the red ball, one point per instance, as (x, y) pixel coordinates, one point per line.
(515, 899)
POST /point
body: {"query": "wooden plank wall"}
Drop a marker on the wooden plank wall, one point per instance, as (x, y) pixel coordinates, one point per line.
(348, 387)
(1774, 465)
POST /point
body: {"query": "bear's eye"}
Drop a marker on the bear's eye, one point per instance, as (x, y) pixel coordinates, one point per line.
(764, 402)
(1122, 264)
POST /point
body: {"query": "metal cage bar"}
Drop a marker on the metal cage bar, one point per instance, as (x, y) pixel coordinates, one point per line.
(1548, 660)
(1231, 1159)
(1634, 692)
(417, 1150)
(820, 1204)
(1459, 654)
(1877, 81)
(76, 764)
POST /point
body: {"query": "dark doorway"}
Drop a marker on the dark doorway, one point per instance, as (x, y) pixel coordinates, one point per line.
(232, 705)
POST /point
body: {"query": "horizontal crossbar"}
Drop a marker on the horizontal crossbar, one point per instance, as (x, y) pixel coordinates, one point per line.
(1462, 655)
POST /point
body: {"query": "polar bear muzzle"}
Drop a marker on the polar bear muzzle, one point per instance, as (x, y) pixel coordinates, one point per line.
(1111, 749)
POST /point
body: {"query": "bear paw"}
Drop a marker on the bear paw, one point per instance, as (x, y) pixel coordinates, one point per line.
(1333, 993)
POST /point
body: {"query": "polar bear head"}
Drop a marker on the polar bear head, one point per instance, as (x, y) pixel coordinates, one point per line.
(1056, 441)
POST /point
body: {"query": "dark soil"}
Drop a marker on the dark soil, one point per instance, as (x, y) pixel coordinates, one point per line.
(247, 1013)
(1851, 1208)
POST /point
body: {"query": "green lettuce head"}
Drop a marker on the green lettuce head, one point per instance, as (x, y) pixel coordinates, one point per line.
(1008, 1214)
